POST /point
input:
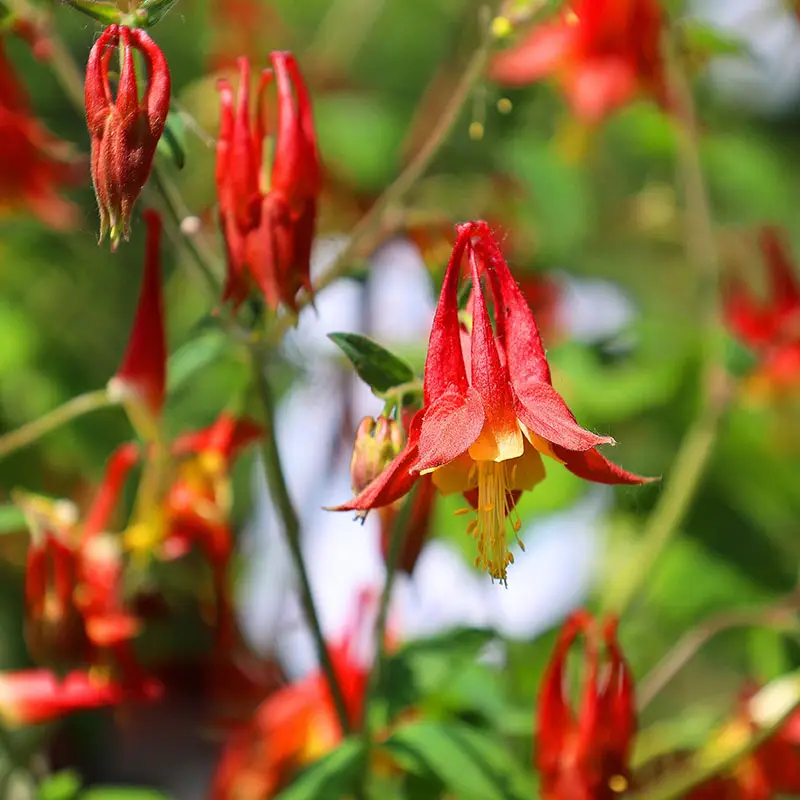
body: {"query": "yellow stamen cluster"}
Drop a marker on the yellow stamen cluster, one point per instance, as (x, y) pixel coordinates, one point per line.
(494, 508)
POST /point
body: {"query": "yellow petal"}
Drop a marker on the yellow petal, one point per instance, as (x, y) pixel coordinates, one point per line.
(458, 476)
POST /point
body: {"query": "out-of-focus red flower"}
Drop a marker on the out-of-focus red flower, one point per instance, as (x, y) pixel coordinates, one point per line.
(33, 696)
(771, 770)
(603, 53)
(87, 594)
(34, 165)
(268, 213)
(771, 327)
(142, 376)
(294, 726)
(490, 410)
(124, 130)
(199, 501)
(583, 754)
(237, 28)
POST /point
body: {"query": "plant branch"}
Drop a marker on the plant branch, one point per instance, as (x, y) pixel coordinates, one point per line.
(715, 390)
(276, 481)
(781, 616)
(74, 407)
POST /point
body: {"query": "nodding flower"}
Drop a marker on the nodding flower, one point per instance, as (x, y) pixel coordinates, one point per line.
(125, 129)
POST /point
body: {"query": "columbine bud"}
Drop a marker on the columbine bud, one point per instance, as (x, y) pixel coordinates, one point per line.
(124, 131)
(376, 444)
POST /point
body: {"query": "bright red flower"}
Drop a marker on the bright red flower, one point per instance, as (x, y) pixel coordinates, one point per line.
(603, 53)
(142, 376)
(32, 696)
(124, 130)
(268, 215)
(34, 165)
(83, 614)
(490, 410)
(199, 502)
(771, 770)
(585, 756)
(294, 726)
(770, 327)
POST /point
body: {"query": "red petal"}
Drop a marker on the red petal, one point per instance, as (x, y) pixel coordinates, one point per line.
(449, 426)
(554, 718)
(601, 85)
(542, 52)
(144, 366)
(783, 280)
(593, 466)
(227, 435)
(395, 481)
(444, 366)
(120, 463)
(542, 410)
(752, 324)
(490, 380)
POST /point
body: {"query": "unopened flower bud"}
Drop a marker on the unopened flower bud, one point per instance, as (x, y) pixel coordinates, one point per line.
(376, 444)
(124, 130)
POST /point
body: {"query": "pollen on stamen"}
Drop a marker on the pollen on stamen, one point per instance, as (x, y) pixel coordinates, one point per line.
(462, 511)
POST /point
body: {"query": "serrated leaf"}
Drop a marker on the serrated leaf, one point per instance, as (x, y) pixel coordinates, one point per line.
(63, 785)
(172, 144)
(467, 761)
(375, 365)
(330, 777)
(194, 356)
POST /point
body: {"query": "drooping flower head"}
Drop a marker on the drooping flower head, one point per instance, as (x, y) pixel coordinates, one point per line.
(125, 129)
(583, 754)
(603, 53)
(34, 165)
(268, 212)
(771, 327)
(490, 410)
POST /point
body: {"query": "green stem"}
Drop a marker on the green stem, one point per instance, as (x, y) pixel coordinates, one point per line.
(72, 409)
(279, 492)
(399, 529)
(715, 392)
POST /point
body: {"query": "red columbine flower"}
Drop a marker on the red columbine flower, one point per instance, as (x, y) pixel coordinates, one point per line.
(34, 165)
(32, 696)
(124, 131)
(771, 327)
(294, 726)
(771, 770)
(602, 52)
(141, 378)
(490, 410)
(199, 502)
(268, 215)
(585, 757)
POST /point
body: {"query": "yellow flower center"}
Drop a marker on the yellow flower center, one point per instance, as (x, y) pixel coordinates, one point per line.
(495, 479)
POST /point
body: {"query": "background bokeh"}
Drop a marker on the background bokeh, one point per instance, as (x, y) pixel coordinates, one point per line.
(379, 72)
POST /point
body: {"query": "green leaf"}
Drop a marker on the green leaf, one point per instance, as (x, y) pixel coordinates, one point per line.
(457, 643)
(467, 761)
(155, 11)
(375, 365)
(331, 777)
(194, 356)
(63, 785)
(107, 13)
(12, 520)
(123, 793)
(172, 144)
(704, 40)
